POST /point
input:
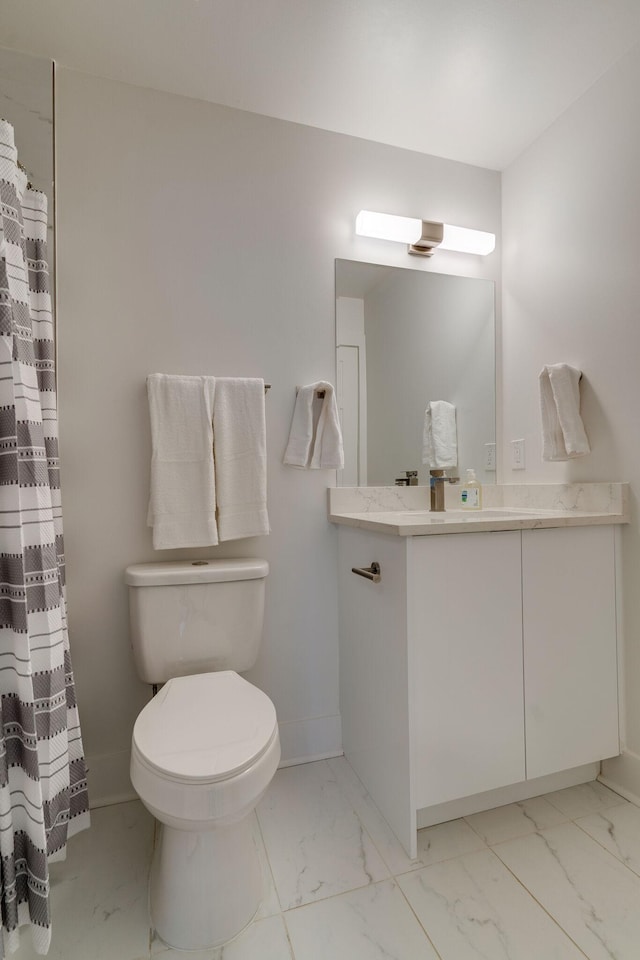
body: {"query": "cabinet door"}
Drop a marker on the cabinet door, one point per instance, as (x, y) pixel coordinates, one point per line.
(571, 675)
(373, 674)
(465, 666)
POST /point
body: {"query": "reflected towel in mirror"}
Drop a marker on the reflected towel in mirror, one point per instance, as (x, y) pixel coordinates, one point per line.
(439, 436)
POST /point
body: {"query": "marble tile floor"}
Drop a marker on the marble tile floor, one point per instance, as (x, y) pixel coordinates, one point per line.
(552, 878)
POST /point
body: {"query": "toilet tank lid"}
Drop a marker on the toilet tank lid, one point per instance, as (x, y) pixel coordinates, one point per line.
(195, 571)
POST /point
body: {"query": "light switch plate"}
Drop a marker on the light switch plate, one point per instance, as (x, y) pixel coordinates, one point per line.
(517, 455)
(490, 456)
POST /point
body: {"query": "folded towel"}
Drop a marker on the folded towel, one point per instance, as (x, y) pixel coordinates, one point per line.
(439, 436)
(182, 506)
(319, 449)
(240, 449)
(563, 433)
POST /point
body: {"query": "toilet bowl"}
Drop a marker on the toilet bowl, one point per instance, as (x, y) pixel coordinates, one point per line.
(204, 751)
(206, 747)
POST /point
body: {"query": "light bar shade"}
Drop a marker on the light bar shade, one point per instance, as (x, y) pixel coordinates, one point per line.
(386, 226)
(468, 241)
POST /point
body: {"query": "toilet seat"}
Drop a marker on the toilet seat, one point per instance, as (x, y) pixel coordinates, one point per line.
(205, 728)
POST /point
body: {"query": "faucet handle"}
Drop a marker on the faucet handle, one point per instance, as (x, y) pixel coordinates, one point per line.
(440, 476)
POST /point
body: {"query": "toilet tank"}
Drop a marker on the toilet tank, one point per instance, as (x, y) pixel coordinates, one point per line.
(197, 616)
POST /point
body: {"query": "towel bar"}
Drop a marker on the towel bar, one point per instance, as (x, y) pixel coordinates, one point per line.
(369, 573)
(320, 394)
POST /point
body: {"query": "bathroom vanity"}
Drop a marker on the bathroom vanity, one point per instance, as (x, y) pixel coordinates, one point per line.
(486, 655)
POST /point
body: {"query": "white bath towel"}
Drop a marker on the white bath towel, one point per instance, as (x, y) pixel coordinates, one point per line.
(563, 433)
(439, 436)
(315, 446)
(240, 448)
(182, 506)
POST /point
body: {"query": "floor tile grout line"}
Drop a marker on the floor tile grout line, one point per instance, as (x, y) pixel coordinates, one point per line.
(268, 858)
(416, 865)
(387, 880)
(288, 935)
(435, 863)
(422, 926)
(154, 840)
(357, 815)
(636, 873)
(535, 900)
(617, 803)
(359, 818)
(613, 790)
(339, 893)
(477, 832)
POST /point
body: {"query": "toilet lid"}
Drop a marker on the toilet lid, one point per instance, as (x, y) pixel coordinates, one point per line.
(209, 726)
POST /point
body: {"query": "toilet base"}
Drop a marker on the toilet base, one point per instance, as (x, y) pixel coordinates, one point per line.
(205, 886)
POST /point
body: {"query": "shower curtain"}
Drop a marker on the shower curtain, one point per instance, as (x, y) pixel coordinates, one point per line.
(43, 790)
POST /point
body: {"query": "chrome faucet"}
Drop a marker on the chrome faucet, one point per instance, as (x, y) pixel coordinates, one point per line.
(437, 482)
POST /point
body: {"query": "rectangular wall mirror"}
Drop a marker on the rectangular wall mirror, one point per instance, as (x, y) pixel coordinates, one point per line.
(404, 338)
(26, 101)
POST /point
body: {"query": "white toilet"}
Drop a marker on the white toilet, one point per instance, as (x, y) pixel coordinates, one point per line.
(206, 747)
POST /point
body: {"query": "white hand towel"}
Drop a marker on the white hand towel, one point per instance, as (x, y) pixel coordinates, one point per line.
(182, 506)
(439, 436)
(240, 446)
(322, 448)
(328, 452)
(563, 433)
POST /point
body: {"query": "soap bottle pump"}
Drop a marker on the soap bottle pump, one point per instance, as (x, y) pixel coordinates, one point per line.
(471, 492)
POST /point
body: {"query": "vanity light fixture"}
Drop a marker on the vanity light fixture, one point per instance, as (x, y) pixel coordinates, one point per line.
(423, 236)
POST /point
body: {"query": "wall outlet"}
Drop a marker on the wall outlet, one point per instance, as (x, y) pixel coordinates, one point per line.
(517, 455)
(490, 456)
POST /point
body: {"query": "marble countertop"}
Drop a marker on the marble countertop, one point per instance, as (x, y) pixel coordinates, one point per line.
(404, 511)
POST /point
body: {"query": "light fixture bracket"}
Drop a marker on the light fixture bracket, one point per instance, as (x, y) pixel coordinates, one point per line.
(431, 237)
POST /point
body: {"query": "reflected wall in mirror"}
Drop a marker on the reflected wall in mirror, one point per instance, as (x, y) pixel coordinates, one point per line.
(26, 101)
(404, 338)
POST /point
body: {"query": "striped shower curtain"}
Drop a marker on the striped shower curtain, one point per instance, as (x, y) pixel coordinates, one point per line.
(43, 790)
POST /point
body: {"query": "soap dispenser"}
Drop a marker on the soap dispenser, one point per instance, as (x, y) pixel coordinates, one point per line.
(471, 492)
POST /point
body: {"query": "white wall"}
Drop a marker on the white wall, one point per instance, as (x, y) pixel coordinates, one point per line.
(571, 222)
(200, 239)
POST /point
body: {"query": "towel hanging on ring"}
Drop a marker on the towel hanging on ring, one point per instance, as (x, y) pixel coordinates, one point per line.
(563, 433)
(315, 446)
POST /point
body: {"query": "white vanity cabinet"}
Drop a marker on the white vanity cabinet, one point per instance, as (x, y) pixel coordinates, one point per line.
(480, 660)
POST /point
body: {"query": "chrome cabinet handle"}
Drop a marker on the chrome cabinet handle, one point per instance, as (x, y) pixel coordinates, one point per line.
(369, 573)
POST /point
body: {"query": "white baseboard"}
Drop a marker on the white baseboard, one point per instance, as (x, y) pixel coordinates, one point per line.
(301, 742)
(316, 739)
(622, 774)
(511, 794)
